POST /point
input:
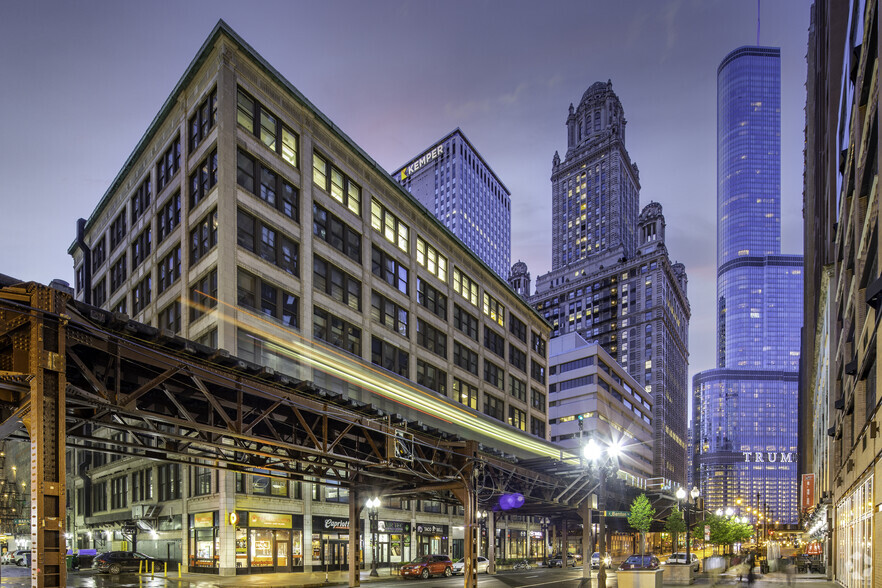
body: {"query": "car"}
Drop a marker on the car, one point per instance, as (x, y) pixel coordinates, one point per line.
(680, 558)
(595, 560)
(640, 562)
(557, 561)
(114, 562)
(428, 565)
(17, 557)
(483, 565)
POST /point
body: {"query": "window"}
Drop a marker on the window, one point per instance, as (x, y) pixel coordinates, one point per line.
(538, 400)
(168, 165)
(343, 189)
(203, 120)
(390, 357)
(465, 358)
(465, 286)
(517, 418)
(208, 338)
(118, 272)
(395, 231)
(336, 331)
(389, 314)
(266, 486)
(494, 342)
(252, 348)
(142, 485)
(494, 309)
(389, 269)
(141, 295)
(118, 230)
(537, 427)
(268, 243)
(429, 258)
(494, 407)
(517, 358)
(203, 295)
(170, 317)
(431, 338)
(270, 186)
(140, 200)
(169, 481)
(431, 298)
(99, 497)
(203, 179)
(201, 481)
(120, 306)
(431, 377)
(517, 328)
(538, 344)
(99, 252)
(494, 375)
(336, 283)
(431, 506)
(537, 371)
(169, 216)
(170, 269)
(465, 393)
(99, 293)
(465, 322)
(338, 234)
(263, 124)
(141, 247)
(119, 495)
(203, 237)
(258, 294)
(518, 388)
(336, 494)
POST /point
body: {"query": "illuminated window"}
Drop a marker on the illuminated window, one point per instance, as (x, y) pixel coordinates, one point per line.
(395, 231)
(494, 309)
(340, 187)
(429, 258)
(465, 286)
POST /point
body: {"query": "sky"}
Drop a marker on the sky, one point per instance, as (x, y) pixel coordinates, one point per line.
(84, 79)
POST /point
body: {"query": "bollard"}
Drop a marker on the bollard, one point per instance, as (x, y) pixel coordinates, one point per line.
(165, 566)
(179, 570)
(140, 565)
(152, 568)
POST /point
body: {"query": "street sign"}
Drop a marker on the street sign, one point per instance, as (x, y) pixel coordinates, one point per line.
(617, 513)
(707, 532)
(129, 530)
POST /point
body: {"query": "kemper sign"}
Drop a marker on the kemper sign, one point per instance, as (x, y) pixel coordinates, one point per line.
(428, 157)
(773, 457)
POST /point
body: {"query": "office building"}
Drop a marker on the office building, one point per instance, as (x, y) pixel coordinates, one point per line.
(452, 180)
(745, 410)
(244, 219)
(840, 446)
(637, 311)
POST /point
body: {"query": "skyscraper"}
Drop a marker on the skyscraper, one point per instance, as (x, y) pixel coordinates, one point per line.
(745, 410)
(452, 180)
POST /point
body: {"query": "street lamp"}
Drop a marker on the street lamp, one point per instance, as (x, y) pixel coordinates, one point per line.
(481, 515)
(606, 462)
(373, 504)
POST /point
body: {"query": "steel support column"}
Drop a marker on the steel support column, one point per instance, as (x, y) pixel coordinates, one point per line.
(355, 506)
(585, 514)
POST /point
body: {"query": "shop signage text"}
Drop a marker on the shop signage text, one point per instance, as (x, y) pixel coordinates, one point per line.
(431, 529)
(269, 520)
(203, 519)
(773, 457)
(330, 523)
(429, 156)
(395, 527)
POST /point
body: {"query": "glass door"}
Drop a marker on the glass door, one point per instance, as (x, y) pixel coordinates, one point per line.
(283, 543)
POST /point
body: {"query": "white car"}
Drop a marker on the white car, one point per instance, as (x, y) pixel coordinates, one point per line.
(680, 558)
(483, 565)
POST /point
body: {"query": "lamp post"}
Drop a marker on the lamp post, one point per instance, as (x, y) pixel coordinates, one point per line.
(373, 504)
(481, 515)
(606, 462)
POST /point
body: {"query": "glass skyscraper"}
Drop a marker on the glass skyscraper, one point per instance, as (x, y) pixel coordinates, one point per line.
(745, 410)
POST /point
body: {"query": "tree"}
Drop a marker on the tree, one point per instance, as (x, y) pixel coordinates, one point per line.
(640, 519)
(675, 525)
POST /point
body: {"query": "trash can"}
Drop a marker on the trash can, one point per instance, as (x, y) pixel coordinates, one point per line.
(69, 560)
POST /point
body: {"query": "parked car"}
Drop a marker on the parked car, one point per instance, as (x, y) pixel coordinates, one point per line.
(114, 562)
(557, 561)
(14, 557)
(483, 565)
(640, 562)
(428, 565)
(680, 558)
(595, 560)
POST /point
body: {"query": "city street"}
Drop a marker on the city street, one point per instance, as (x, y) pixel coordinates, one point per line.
(535, 578)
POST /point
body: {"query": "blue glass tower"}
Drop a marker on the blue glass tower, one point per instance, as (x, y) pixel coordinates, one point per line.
(745, 410)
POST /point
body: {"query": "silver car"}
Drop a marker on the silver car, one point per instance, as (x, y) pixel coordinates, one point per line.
(482, 566)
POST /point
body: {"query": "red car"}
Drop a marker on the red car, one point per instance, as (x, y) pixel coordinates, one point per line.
(428, 565)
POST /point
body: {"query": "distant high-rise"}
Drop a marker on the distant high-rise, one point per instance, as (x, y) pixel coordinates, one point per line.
(745, 410)
(596, 188)
(452, 180)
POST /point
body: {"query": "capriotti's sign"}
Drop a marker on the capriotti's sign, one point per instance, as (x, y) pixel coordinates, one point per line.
(769, 457)
(428, 157)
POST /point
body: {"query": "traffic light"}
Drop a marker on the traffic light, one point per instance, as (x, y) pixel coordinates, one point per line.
(581, 419)
(510, 501)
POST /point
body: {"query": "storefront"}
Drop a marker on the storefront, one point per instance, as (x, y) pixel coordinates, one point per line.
(268, 542)
(330, 543)
(517, 543)
(204, 542)
(432, 539)
(537, 545)
(854, 536)
(393, 542)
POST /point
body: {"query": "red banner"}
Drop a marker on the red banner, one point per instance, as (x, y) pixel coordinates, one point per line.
(813, 549)
(808, 491)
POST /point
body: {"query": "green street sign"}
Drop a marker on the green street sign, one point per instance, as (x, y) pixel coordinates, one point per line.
(617, 513)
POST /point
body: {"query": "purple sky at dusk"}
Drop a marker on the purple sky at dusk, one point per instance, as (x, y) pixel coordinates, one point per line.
(83, 80)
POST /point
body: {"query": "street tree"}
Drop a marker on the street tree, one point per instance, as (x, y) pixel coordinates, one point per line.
(675, 524)
(640, 519)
